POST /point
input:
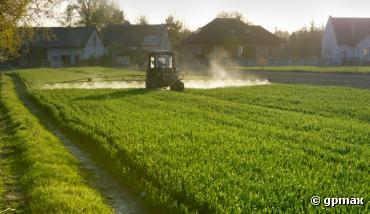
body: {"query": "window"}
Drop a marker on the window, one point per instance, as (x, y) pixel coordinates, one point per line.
(366, 52)
(152, 62)
(55, 58)
(151, 40)
(249, 51)
(164, 61)
(66, 60)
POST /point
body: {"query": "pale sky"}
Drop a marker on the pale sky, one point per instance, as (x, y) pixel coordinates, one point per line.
(288, 15)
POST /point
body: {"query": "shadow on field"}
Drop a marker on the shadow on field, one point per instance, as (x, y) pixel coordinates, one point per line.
(116, 94)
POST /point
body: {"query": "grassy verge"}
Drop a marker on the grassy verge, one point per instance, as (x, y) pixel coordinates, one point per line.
(51, 179)
(11, 197)
(318, 69)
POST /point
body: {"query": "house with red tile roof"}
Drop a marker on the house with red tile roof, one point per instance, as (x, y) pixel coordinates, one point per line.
(233, 39)
(346, 41)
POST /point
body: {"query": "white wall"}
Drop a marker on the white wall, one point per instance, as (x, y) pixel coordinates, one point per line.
(91, 50)
(54, 55)
(362, 45)
(329, 44)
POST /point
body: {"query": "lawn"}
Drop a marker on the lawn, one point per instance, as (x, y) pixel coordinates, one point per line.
(319, 69)
(232, 150)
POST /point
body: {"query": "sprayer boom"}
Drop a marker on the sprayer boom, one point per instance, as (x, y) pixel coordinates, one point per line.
(126, 78)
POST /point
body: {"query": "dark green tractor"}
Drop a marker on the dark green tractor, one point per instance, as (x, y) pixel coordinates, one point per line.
(162, 71)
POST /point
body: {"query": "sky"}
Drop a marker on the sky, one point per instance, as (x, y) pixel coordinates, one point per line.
(287, 15)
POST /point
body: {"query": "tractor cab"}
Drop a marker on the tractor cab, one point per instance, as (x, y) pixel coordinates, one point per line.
(162, 71)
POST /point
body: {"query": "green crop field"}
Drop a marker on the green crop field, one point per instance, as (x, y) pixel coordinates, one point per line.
(250, 149)
(259, 149)
(320, 69)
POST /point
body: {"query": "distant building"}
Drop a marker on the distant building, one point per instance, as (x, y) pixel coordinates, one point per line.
(135, 38)
(62, 46)
(346, 41)
(234, 39)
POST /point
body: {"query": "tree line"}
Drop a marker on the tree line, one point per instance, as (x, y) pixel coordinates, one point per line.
(17, 17)
(305, 42)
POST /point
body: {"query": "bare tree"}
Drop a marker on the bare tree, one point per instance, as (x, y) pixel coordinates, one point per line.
(233, 14)
(93, 13)
(282, 34)
(142, 20)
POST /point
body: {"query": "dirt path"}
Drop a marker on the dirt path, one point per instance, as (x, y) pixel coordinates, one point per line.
(334, 79)
(120, 198)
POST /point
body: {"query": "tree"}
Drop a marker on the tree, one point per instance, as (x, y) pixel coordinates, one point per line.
(69, 16)
(142, 20)
(93, 13)
(16, 17)
(174, 28)
(233, 14)
(305, 42)
(282, 34)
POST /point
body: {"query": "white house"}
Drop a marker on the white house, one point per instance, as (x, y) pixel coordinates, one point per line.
(346, 41)
(63, 46)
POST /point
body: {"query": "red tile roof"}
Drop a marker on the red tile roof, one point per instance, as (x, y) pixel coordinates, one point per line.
(230, 30)
(350, 31)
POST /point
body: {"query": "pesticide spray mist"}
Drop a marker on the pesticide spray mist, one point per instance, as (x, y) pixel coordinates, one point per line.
(96, 85)
(218, 77)
(214, 76)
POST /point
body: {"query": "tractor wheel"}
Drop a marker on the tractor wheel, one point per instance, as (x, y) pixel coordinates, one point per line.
(181, 86)
(177, 86)
(148, 85)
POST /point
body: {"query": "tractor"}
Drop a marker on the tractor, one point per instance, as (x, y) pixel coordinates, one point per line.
(162, 71)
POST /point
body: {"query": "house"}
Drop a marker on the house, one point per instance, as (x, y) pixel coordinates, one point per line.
(346, 41)
(234, 39)
(62, 46)
(133, 39)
